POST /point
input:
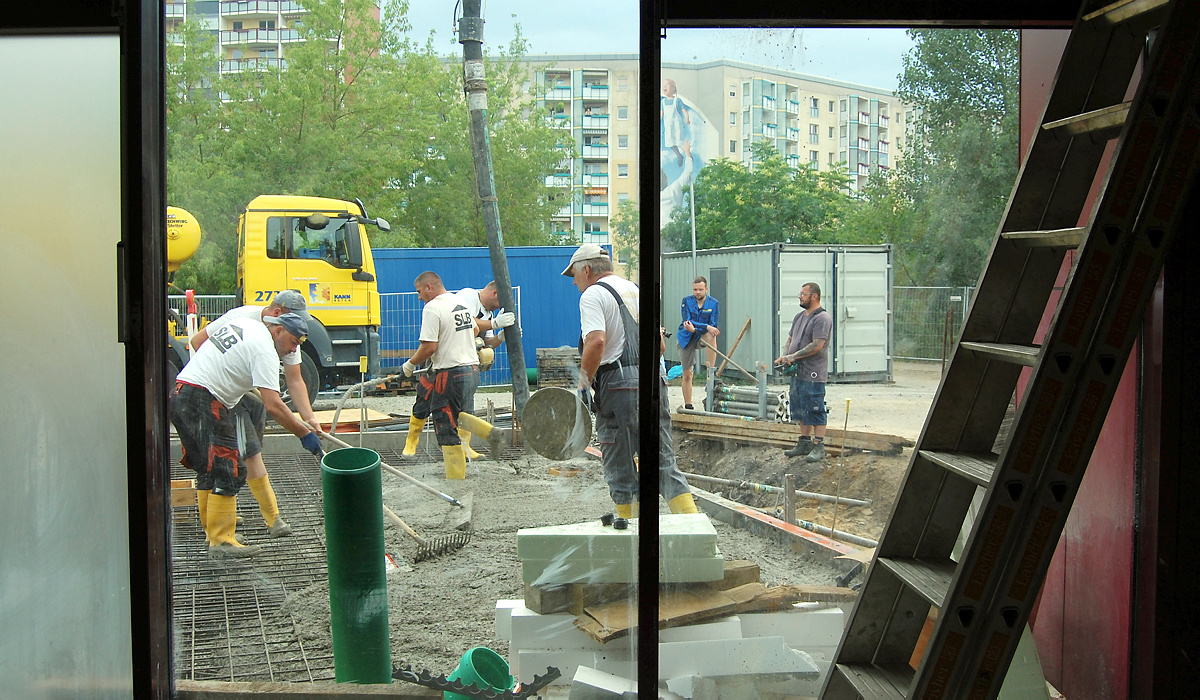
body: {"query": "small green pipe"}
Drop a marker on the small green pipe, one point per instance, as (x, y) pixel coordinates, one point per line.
(352, 489)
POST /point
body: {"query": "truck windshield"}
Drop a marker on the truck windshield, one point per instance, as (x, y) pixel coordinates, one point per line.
(288, 238)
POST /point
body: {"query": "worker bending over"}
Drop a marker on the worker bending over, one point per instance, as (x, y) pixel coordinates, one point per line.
(448, 340)
(220, 444)
(608, 316)
(287, 301)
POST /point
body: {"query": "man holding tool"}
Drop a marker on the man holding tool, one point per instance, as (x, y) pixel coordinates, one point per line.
(223, 445)
(448, 339)
(701, 314)
(287, 301)
(808, 347)
(489, 333)
(608, 312)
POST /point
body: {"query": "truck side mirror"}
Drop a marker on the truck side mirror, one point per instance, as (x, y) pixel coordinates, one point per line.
(383, 224)
(354, 245)
(316, 221)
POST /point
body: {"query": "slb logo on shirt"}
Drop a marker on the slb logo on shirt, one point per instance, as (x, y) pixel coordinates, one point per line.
(463, 320)
(226, 337)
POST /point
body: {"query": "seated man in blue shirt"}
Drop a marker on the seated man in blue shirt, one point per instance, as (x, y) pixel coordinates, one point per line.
(701, 314)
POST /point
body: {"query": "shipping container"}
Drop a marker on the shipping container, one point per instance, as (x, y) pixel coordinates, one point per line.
(760, 283)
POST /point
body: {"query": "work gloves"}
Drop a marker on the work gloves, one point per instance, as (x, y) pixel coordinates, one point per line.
(504, 320)
(312, 443)
(408, 368)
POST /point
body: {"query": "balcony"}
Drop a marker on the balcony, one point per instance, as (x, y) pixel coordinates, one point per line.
(792, 106)
(597, 237)
(594, 209)
(793, 161)
(864, 145)
(251, 7)
(793, 134)
(595, 151)
(559, 121)
(883, 121)
(595, 121)
(864, 170)
(558, 92)
(565, 212)
(864, 117)
(769, 130)
(595, 91)
(239, 65)
(258, 36)
(291, 8)
(175, 10)
(595, 179)
(558, 180)
(768, 102)
(883, 146)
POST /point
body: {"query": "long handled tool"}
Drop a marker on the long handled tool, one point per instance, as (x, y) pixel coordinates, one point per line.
(430, 549)
(841, 470)
(389, 468)
(735, 365)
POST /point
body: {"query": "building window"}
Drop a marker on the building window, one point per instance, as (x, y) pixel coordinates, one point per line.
(831, 132)
(733, 89)
(843, 105)
(732, 146)
(813, 136)
(831, 158)
(623, 82)
(814, 108)
(622, 170)
(898, 146)
(732, 118)
(843, 132)
(812, 159)
(622, 197)
(266, 24)
(841, 156)
(831, 106)
(623, 141)
(237, 26)
(623, 112)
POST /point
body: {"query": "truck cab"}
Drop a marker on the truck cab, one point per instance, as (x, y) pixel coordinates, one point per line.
(320, 247)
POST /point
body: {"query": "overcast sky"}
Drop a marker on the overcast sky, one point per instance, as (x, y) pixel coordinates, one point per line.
(865, 56)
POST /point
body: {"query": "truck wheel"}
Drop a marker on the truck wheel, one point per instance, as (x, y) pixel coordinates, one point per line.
(312, 380)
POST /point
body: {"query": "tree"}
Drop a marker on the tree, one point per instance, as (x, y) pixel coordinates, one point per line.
(626, 228)
(359, 110)
(947, 198)
(771, 203)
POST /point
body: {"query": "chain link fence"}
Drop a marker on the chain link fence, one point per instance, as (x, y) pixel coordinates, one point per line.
(927, 320)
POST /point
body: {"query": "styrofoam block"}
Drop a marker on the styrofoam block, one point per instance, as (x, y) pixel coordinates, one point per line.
(694, 687)
(531, 662)
(725, 628)
(504, 610)
(732, 657)
(554, 631)
(681, 535)
(590, 684)
(800, 629)
(544, 572)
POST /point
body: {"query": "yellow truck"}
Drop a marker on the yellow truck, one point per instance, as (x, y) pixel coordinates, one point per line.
(320, 247)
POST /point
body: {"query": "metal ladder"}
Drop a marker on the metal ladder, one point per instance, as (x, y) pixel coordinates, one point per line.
(984, 599)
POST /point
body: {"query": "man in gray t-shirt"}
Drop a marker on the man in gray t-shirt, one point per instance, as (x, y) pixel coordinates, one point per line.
(808, 348)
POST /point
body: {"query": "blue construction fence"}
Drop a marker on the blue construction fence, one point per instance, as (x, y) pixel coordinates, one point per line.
(548, 302)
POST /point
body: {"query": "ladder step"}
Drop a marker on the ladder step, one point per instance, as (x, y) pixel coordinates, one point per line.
(1016, 354)
(1058, 238)
(1124, 10)
(1104, 123)
(974, 468)
(928, 577)
(890, 681)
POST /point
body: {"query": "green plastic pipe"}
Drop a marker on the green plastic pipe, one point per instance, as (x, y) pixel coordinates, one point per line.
(352, 489)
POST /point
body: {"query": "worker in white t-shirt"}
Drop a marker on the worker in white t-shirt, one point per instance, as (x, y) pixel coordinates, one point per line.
(287, 301)
(448, 342)
(489, 334)
(223, 445)
(608, 316)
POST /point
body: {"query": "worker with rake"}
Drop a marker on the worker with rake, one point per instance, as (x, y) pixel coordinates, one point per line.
(608, 313)
(448, 340)
(220, 443)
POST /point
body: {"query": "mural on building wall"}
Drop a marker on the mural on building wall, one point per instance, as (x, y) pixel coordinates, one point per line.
(688, 140)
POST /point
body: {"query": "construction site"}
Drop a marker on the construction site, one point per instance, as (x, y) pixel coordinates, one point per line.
(1010, 522)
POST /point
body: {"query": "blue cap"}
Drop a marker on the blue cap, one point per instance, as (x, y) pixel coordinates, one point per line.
(292, 323)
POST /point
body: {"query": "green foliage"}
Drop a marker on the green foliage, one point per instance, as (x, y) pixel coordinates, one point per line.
(360, 111)
(771, 203)
(626, 229)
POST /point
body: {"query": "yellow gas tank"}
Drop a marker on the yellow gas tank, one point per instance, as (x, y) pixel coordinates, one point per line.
(183, 237)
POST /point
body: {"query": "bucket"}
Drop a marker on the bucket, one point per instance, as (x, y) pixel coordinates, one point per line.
(531, 375)
(482, 668)
(352, 491)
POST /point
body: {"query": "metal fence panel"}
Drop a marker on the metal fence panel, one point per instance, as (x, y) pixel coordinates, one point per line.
(208, 306)
(928, 320)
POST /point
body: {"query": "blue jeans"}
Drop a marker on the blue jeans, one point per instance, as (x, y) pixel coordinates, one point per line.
(808, 402)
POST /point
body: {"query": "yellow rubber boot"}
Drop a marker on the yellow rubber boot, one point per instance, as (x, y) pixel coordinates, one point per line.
(268, 505)
(497, 440)
(465, 436)
(222, 522)
(683, 503)
(202, 506)
(627, 510)
(456, 461)
(415, 426)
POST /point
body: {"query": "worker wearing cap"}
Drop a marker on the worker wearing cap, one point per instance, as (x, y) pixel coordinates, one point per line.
(448, 341)
(223, 445)
(489, 334)
(608, 314)
(287, 301)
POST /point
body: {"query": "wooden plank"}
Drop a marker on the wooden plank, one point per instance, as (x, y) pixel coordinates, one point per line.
(349, 418)
(684, 418)
(676, 608)
(183, 492)
(786, 432)
(830, 451)
(574, 597)
(738, 572)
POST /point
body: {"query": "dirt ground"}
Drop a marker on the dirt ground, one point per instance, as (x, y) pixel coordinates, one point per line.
(441, 607)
